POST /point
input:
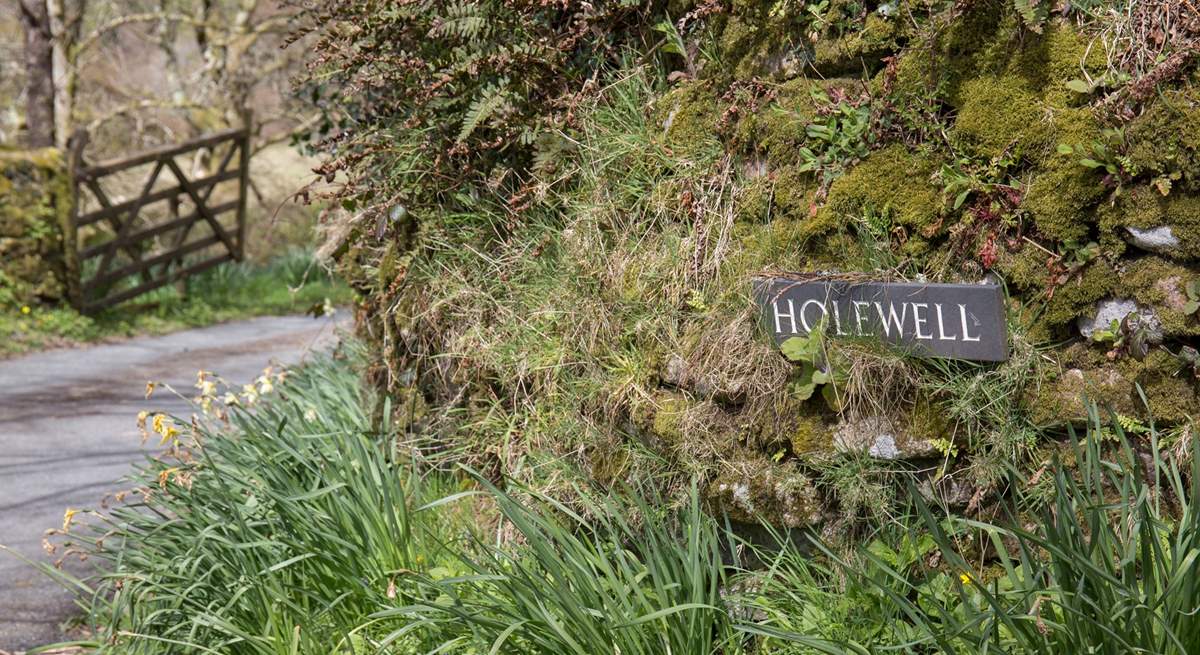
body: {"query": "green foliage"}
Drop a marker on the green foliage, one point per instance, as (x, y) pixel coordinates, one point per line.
(1106, 156)
(605, 574)
(273, 534)
(291, 283)
(837, 142)
(816, 371)
(440, 103)
(1193, 294)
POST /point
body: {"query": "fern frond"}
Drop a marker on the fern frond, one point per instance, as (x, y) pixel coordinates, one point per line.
(488, 103)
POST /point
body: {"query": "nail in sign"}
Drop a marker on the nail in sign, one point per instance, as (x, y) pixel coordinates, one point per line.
(957, 321)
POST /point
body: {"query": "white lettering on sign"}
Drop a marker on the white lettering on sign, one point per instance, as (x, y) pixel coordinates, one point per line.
(894, 319)
(964, 321)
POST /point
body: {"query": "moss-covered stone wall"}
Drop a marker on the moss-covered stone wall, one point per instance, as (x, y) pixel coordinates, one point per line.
(35, 206)
(610, 327)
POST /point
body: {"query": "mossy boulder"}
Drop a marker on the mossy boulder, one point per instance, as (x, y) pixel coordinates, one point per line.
(896, 182)
(751, 488)
(1002, 115)
(35, 206)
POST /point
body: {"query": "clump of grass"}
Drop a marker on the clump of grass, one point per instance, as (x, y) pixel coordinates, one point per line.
(1108, 565)
(608, 574)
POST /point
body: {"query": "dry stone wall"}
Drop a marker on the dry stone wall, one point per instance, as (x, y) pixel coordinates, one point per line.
(35, 206)
(941, 142)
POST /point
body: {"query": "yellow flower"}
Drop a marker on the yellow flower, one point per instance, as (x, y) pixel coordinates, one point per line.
(25, 309)
(169, 435)
(249, 394)
(67, 516)
(966, 579)
(160, 423)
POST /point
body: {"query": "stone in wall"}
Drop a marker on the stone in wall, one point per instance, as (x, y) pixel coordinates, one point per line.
(35, 205)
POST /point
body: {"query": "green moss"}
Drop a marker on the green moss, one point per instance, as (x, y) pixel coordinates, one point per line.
(1063, 399)
(859, 50)
(1023, 267)
(777, 131)
(687, 116)
(895, 181)
(1001, 114)
(1069, 56)
(1063, 193)
(1075, 297)
(1170, 393)
(35, 252)
(1182, 213)
(1165, 138)
(926, 421)
(811, 436)
(668, 417)
(1160, 285)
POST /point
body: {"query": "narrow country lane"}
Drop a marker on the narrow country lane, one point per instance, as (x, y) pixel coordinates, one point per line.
(68, 434)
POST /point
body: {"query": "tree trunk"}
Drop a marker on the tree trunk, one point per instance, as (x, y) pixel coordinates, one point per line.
(64, 28)
(39, 74)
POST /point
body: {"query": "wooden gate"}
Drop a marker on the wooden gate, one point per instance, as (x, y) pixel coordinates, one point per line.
(140, 243)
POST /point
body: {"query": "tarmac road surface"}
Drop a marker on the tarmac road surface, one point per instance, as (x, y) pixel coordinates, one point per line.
(68, 434)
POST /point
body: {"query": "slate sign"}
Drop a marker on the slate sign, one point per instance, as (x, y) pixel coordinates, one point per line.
(958, 321)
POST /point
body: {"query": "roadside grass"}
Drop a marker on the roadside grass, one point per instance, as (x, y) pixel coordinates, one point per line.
(268, 529)
(290, 523)
(290, 283)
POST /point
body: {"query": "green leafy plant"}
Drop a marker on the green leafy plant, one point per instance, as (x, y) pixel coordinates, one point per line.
(838, 141)
(810, 352)
(1107, 156)
(609, 574)
(1075, 255)
(275, 535)
(1107, 567)
(1192, 306)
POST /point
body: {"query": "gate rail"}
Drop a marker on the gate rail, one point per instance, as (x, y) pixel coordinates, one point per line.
(126, 253)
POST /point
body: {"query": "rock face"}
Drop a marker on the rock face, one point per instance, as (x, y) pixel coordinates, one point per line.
(769, 158)
(1115, 310)
(881, 437)
(35, 202)
(1159, 239)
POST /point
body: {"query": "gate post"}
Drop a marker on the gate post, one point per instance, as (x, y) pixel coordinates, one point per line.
(243, 180)
(70, 230)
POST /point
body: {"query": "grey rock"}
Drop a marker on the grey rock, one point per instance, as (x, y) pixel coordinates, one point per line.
(1156, 239)
(1116, 309)
(675, 373)
(880, 436)
(955, 493)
